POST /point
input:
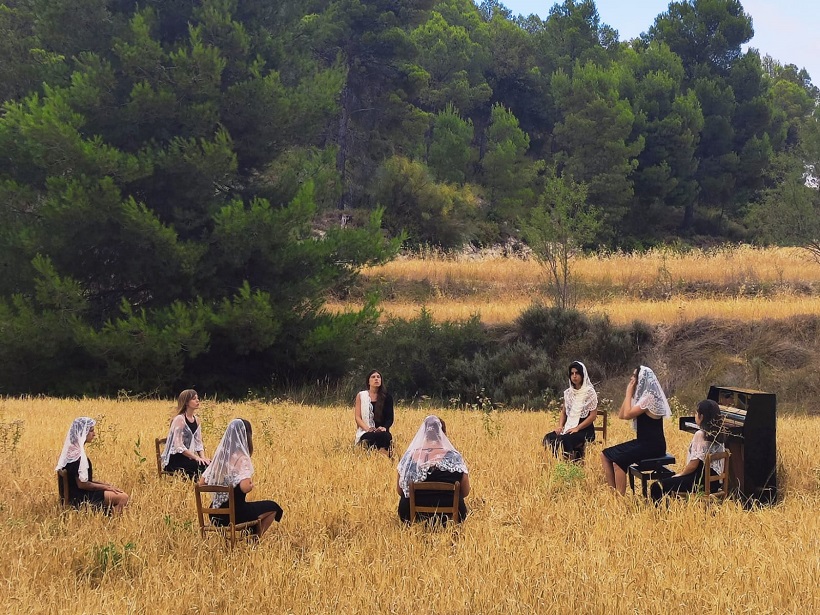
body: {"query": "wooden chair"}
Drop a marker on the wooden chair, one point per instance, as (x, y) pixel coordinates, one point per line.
(600, 428)
(62, 488)
(451, 509)
(230, 530)
(709, 477)
(158, 444)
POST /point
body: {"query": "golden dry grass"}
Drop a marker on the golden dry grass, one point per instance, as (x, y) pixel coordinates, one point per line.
(534, 543)
(660, 286)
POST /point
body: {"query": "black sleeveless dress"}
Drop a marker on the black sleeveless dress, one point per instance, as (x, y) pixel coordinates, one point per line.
(78, 496)
(650, 443)
(185, 465)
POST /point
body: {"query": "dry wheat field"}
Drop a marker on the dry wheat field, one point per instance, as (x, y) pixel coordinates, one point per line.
(542, 537)
(659, 286)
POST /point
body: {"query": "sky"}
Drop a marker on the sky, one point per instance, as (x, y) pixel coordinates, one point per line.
(784, 29)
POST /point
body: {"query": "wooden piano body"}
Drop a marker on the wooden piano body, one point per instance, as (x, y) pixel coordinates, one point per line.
(750, 433)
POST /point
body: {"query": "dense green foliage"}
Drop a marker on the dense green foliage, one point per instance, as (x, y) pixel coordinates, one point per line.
(182, 183)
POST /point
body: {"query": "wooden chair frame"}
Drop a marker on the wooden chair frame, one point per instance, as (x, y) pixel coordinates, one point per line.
(62, 488)
(602, 428)
(230, 530)
(709, 477)
(455, 488)
(158, 444)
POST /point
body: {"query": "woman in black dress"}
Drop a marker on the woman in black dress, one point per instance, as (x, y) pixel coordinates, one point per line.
(184, 451)
(578, 412)
(82, 488)
(231, 466)
(373, 412)
(646, 405)
(431, 457)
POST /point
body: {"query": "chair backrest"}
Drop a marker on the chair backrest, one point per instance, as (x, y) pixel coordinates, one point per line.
(710, 477)
(600, 427)
(452, 508)
(62, 488)
(159, 443)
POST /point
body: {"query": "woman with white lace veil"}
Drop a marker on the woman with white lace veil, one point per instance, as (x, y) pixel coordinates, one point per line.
(184, 451)
(578, 412)
(231, 466)
(82, 488)
(646, 406)
(704, 442)
(431, 457)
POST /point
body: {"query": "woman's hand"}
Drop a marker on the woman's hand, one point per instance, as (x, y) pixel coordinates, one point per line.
(630, 387)
(573, 430)
(380, 429)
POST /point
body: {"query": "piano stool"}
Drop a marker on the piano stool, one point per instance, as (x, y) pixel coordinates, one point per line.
(650, 470)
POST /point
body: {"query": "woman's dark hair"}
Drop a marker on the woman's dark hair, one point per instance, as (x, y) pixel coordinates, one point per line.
(578, 367)
(381, 395)
(249, 433)
(443, 426)
(710, 411)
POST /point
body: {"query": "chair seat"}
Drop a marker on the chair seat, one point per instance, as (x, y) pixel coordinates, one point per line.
(652, 469)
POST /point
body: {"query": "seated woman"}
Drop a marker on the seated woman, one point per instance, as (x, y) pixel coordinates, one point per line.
(431, 457)
(82, 488)
(184, 451)
(232, 467)
(690, 478)
(645, 404)
(578, 412)
(373, 411)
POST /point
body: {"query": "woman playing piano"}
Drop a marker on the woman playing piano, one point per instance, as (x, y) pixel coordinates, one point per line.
(646, 405)
(690, 478)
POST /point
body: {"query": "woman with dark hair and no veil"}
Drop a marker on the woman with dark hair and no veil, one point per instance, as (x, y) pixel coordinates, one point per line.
(646, 405)
(578, 412)
(431, 457)
(704, 442)
(184, 452)
(373, 412)
(232, 467)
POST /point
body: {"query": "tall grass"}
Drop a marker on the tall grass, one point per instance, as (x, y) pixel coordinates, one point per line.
(659, 286)
(540, 539)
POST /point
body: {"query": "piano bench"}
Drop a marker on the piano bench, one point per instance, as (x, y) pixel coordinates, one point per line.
(650, 469)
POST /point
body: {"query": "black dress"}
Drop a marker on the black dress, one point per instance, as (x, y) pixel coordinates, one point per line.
(649, 444)
(571, 443)
(248, 511)
(76, 496)
(178, 462)
(381, 439)
(678, 484)
(435, 499)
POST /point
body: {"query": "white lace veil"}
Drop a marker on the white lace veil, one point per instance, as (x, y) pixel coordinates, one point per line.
(650, 396)
(74, 446)
(578, 403)
(429, 449)
(231, 462)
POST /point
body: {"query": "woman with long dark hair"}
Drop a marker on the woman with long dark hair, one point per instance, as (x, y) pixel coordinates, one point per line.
(704, 442)
(373, 412)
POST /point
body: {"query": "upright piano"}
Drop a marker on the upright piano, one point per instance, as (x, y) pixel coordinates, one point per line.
(749, 432)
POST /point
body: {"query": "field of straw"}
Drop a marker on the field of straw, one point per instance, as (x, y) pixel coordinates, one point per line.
(542, 536)
(659, 286)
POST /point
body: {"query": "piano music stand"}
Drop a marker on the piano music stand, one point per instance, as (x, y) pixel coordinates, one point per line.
(650, 469)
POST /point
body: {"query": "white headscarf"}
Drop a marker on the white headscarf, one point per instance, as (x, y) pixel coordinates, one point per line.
(231, 463)
(429, 449)
(578, 403)
(181, 438)
(650, 396)
(74, 446)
